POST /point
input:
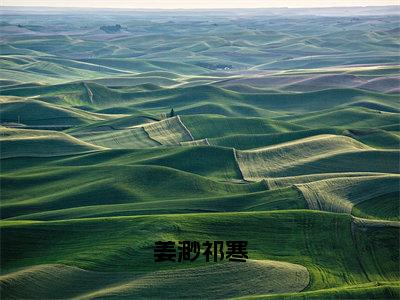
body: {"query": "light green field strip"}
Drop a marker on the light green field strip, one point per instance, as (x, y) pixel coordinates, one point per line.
(170, 131)
(196, 143)
(287, 198)
(35, 112)
(30, 76)
(341, 194)
(49, 72)
(43, 143)
(367, 291)
(132, 138)
(279, 182)
(348, 117)
(346, 69)
(261, 163)
(371, 223)
(221, 280)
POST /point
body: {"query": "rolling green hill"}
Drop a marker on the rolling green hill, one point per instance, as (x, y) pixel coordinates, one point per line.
(37, 143)
(305, 236)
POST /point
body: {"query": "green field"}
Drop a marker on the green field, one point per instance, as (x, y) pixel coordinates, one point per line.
(277, 127)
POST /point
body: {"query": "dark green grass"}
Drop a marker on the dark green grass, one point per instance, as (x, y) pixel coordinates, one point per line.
(280, 199)
(211, 126)
(386, 206)
(45, 145)
(251, 141)
(213, 162)
(334, 254)
(134, 118)
(376, 138)
(354, 117)
(35, 112)
(67, 187)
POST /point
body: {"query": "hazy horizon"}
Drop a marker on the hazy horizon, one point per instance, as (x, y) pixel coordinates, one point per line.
(197, 4)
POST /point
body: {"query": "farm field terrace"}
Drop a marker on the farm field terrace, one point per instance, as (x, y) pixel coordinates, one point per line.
(121, 128)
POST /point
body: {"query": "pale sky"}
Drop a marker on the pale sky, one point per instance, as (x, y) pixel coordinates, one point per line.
(191, 4)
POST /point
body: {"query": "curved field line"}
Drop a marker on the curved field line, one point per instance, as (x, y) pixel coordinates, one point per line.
(237, 163)
(341, 194)
(184, 126)
(170, 131)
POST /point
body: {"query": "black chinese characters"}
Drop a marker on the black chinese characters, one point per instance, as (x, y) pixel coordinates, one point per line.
(236, 251)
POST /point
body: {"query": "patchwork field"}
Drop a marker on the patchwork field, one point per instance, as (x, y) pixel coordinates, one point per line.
(277, 127)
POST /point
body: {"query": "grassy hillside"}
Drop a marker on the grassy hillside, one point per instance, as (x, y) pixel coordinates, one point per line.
(281, 159)
(204, 126)
(316, 232)
(32, 112)
(37, 143)
(156, 284)
(99, 185)
(276, 127)
(341, 194)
